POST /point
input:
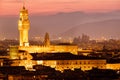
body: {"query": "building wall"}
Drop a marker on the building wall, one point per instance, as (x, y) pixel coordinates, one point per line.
(53, 48)
(13, 50)
(66, 48)
(25, 77)
(14, 77)
(72, 64)
(113, 66)
(1, 62)
(28, 64)
(67, 64)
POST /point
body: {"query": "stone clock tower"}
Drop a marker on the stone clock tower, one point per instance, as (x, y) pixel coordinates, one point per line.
(23, 27)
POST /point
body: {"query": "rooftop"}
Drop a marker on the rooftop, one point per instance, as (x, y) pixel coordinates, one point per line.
(62, 56)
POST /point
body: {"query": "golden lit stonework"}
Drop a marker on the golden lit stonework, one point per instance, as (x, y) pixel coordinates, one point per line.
(23, 27)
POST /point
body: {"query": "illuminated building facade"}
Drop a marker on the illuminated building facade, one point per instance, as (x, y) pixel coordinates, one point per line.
(84, 64)
(23, 27)
(61, 65)
(13, 52)
(52, 48)
(113, 66)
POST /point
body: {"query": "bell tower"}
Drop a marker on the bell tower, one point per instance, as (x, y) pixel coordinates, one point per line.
(23, 27)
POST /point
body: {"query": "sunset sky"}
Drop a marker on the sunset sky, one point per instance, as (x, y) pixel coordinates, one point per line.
(12, 7)
(62, 17)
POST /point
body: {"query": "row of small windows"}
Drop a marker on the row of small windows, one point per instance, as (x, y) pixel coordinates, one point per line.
(69, 63)
(83, 67)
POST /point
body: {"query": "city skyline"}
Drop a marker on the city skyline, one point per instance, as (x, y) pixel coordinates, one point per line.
(60, 40)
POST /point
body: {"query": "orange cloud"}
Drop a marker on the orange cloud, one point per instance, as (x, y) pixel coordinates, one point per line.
(38, 6)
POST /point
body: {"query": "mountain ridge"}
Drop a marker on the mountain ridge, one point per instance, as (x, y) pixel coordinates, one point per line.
(95, 28)
(53, 24)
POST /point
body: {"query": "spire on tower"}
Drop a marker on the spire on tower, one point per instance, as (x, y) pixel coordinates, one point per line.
(23, 4)
(47, 40)
(23, 7)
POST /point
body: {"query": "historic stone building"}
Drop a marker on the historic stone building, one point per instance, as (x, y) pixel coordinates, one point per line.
(84, 64)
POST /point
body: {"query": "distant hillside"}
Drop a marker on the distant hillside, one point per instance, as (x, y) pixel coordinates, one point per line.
(64, 24)
(107, 28)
